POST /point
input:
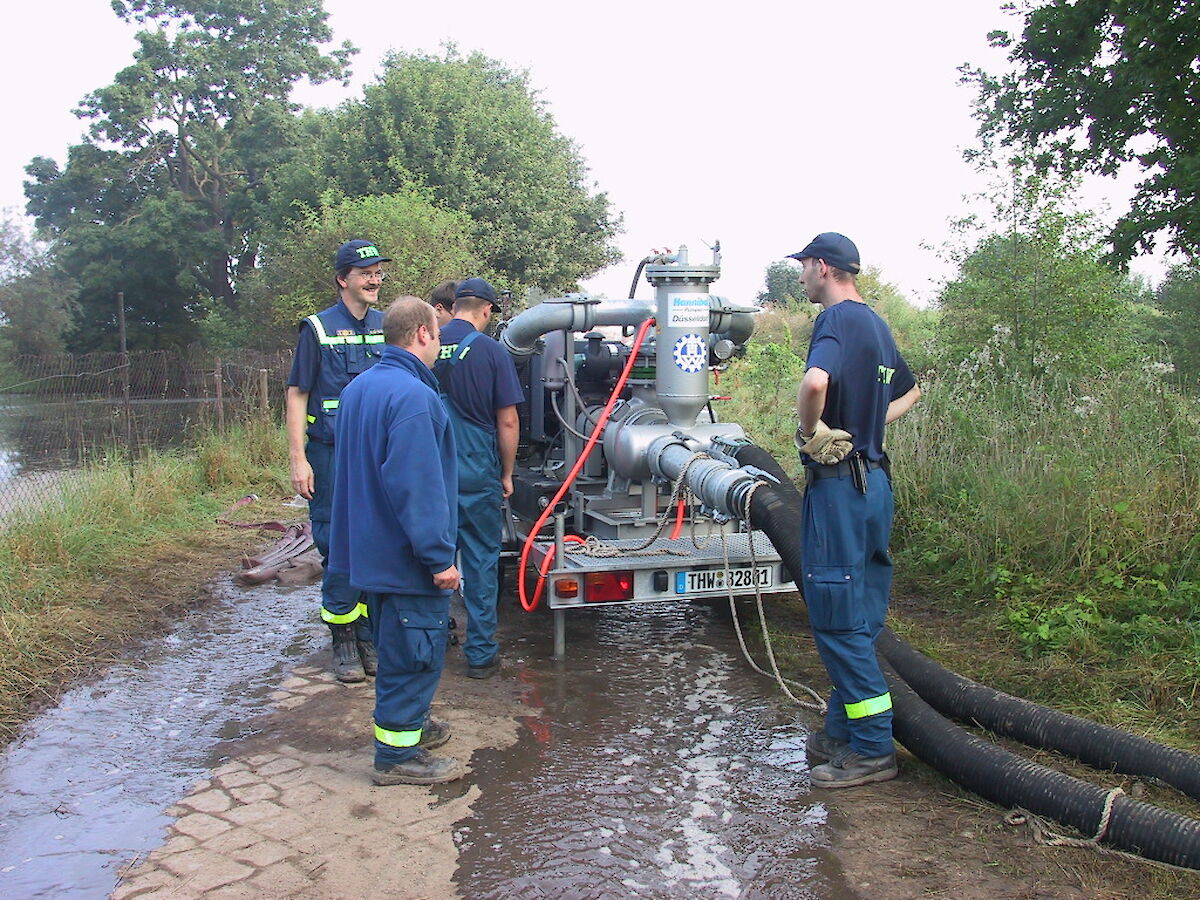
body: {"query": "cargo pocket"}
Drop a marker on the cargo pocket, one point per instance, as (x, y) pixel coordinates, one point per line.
(829, 592)
(425, 632)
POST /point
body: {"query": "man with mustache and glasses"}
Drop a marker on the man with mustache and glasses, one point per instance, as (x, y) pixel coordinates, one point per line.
(335, 345)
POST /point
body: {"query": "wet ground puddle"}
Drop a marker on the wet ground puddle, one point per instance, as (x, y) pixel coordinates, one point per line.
(658, 767)
(84, 788)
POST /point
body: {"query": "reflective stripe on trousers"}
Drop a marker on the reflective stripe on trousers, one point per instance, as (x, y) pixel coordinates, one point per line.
(340, 603)
(847, 575)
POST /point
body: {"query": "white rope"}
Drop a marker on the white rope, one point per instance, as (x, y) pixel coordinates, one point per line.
(1045, 835)
(820, 705)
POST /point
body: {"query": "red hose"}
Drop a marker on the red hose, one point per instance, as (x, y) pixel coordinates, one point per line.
(530, 605)
(678, 520)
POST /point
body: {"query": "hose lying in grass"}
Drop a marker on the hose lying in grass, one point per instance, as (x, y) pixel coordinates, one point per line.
(1100, 746)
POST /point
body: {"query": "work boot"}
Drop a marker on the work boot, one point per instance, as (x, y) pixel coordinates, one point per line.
(366, 647)
(424, 768)
(434, 734)
(848, 769)
(487, 670)
(821, 748)
(346, 664)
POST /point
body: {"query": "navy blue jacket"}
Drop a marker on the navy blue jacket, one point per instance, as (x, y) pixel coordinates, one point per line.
(334, 348)
(395, 510)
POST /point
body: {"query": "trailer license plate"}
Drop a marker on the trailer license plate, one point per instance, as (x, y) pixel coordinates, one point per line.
(702, 581)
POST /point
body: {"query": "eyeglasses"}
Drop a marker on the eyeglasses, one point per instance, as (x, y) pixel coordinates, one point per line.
(371, 276)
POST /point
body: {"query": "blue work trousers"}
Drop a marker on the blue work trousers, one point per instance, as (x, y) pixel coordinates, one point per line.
(480, 531)
(410, 633)
(847, 583)
(340, 603)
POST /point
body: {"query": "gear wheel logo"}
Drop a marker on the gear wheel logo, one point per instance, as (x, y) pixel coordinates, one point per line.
(690, 353)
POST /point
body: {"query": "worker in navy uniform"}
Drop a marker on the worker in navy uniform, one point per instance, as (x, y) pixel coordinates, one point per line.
(335, 346)
(855, 383)
(393, 537)
(480, 386)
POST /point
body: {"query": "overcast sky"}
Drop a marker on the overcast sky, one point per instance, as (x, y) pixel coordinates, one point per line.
(757, 123)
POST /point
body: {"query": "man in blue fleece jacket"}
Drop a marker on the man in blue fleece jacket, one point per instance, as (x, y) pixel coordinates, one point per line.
(393, 531)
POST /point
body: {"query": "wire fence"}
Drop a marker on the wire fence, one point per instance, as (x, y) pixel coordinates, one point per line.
(61, 411)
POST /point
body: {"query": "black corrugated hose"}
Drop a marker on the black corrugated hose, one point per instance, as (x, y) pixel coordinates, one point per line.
(1010, 780)
(985, 769)
(1100, 746)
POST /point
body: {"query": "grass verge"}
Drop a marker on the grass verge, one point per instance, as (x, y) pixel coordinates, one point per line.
(115, 557)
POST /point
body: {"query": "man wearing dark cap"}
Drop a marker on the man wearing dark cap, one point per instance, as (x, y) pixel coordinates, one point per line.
(480, 385)
(335, 345)
(855, 383)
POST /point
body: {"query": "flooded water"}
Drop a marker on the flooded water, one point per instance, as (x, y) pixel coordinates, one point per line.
(85, 787)
(653, 762)
(660, 766)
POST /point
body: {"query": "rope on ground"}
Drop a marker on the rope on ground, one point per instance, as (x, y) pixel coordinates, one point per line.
(1043, 834)
(819, 706)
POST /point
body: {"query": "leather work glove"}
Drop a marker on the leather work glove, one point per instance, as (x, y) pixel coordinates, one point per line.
(827, 446)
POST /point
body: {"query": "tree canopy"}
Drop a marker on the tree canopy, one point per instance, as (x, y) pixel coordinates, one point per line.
(426, 243)
(1040, 282)
(476, 136)
(172, 178)
(1096, 84)
(1178, 298)
(35, 303)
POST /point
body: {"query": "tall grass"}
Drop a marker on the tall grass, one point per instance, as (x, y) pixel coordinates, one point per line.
(91, 565)
(1062, 517)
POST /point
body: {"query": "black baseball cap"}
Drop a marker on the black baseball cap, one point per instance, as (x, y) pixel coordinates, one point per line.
(477, 287)
(836, 249)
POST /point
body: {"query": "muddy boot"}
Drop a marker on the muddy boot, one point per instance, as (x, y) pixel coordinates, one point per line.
(366, 648)
(424, 768)
(346, 665)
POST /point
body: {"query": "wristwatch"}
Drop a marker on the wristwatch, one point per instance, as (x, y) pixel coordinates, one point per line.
(801, 438)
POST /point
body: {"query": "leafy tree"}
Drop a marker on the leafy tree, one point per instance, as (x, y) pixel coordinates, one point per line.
(475, 135)
(36, 301)
(783, 286)
(1099, 83)
(182, 143)
(427, 245)
(1041, 281)
(1178, 298)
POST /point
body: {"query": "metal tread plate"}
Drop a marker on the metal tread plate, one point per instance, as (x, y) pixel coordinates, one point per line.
(710, 553)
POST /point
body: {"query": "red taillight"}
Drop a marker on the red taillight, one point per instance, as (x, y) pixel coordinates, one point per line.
(608, 587)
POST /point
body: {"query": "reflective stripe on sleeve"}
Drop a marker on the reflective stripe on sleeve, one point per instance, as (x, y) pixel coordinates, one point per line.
(331, 404)
(397, 738)
(872, 706)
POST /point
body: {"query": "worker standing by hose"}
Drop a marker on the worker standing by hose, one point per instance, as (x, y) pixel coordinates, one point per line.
(855, 382)
(335, 346)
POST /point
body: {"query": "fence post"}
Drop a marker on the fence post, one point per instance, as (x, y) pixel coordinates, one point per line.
(219, 373)
(264, 396)
(125, 386)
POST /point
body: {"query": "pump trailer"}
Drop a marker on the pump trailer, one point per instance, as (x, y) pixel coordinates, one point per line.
(617, 437)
